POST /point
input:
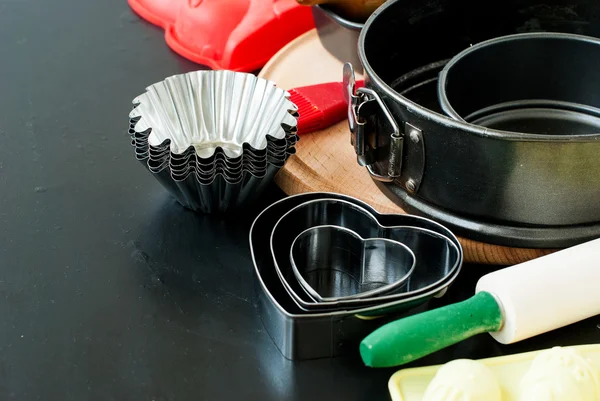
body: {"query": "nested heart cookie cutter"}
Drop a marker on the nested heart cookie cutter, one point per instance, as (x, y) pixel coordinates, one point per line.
(437, 256)
(334, 263)
(300, 334)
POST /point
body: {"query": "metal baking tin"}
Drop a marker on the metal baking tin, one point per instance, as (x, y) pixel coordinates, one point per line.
(338, 19)
(300, 335)
(503, 188)
(214, 139)
(217, 195)
(338, 35)
(436, 255)
(333, 263)
(206, 109)
(525, 83)
(249, 160)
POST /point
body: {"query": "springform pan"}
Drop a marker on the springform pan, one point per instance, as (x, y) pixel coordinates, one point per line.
(504, 188)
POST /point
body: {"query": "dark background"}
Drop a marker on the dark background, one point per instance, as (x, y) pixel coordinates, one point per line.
(109, 290)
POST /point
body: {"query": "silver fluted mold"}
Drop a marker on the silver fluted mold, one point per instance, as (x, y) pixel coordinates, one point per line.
(214, 139)
(210, 109)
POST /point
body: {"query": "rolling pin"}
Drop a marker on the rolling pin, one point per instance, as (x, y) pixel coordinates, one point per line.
(512, 304)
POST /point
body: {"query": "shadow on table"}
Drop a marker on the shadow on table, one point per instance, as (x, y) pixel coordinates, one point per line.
(177, 244)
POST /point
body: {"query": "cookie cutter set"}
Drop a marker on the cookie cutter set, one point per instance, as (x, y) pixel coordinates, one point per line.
(330, 269)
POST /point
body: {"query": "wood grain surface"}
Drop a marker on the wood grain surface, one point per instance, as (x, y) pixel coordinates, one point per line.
(325, 160)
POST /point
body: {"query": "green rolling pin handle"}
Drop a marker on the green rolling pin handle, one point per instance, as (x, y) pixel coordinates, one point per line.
(414, 337)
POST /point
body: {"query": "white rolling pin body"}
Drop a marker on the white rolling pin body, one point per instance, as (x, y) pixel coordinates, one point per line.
(546, 293)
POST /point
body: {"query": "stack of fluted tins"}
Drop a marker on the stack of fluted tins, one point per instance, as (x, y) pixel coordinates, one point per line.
(214, 139)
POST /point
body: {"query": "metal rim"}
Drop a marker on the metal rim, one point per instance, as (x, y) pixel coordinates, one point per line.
(362, 295)
(431, 288)
(303, 316)
(493, 233)
(346, 23)
(446, 104)
(529, 104)
(440, 118)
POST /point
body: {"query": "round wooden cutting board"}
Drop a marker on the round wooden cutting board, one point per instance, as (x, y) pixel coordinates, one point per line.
(325, 160)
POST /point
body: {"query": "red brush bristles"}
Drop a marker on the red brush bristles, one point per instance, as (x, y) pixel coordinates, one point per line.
(320, 106)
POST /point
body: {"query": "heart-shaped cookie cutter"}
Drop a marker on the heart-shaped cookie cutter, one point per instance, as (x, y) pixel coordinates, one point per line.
(333, 263)
(437, 256)
(301, 334)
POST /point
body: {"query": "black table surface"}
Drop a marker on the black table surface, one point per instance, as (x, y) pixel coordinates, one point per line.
(109, 289)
